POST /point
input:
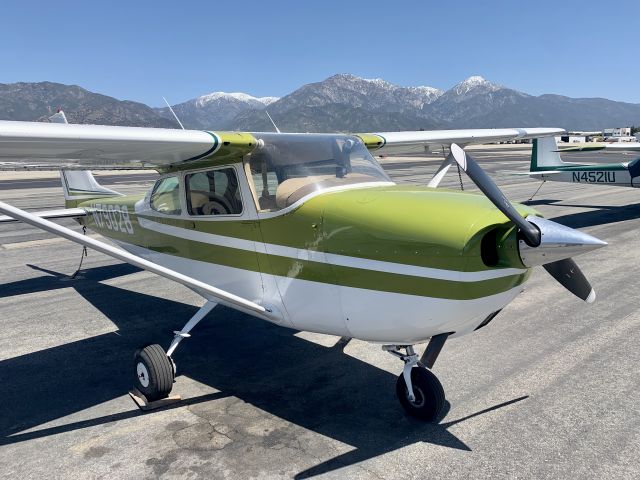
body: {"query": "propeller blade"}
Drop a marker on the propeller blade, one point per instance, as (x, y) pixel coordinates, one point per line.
(569, 275)
(530, 232)
(559, 241)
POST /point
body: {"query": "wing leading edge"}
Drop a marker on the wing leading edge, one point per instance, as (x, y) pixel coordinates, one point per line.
(59, 145)
(390, 143)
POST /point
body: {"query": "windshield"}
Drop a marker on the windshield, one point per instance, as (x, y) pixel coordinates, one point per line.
(288, 167)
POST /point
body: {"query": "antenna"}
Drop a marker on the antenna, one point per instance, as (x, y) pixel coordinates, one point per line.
(274, 123)
(174, 113)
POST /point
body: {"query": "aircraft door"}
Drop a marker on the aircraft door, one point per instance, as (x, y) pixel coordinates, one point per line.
(223, 230)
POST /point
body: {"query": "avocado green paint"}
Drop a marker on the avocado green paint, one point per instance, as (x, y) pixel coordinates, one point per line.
(399, 224)
(371, 140)
(231, 148)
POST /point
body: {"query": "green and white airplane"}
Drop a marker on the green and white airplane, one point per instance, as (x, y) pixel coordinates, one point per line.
(306, 231)
(546, 164)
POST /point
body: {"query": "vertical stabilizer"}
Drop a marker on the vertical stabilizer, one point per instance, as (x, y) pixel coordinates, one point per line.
(80, 185)
(58, 117)
(545, 155)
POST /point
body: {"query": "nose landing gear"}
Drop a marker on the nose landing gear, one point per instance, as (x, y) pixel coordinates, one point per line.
(419, 391)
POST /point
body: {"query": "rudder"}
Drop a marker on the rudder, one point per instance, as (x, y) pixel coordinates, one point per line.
(80, 185)
(544, 154)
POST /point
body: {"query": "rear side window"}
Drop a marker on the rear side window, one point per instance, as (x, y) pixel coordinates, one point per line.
(165, 197)
(214, 192)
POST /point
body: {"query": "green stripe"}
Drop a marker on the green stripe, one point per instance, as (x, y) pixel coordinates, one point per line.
(314, 271)
(208, 152)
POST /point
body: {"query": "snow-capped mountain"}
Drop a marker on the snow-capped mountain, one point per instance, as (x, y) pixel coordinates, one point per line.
(347, 89)
(475, 85)
(242, 97)
(473, 97)
(342, 102)
(345, 102)
(215, 110)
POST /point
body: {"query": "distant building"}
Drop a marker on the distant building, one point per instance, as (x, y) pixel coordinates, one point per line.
(572, 139)
(617, 132)
(579, 137)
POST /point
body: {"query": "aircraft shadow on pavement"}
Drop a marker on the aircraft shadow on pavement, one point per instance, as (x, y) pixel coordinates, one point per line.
(545, 201)
(600, 215)
(318, 388)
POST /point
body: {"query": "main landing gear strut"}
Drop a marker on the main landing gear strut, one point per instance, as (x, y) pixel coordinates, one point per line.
(155, 370)
(418, 389)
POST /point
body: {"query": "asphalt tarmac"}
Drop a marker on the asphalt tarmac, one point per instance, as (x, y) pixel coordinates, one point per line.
(548, 390)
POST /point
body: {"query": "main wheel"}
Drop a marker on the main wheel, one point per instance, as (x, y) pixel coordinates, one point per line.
(428, 393)
(153, 372)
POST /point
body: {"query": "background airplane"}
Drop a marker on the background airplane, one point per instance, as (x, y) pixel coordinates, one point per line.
(547, 164)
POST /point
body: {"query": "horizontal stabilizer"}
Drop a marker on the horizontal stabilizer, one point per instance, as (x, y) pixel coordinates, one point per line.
(540, 174)
(583, 148)
(61, 213)
(208, 291)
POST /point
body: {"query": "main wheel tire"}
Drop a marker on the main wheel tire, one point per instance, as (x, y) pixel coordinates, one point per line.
(153, 372)
(428, 392)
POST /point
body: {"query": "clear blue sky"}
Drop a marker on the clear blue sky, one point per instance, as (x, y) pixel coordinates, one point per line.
(141, 50)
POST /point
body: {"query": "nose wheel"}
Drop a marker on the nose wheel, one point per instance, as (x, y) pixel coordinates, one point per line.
(153, 372)
(428, 394)
(418, 389)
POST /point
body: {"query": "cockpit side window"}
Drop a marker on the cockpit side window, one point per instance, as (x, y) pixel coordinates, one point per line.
(214, 192)
(165, 197)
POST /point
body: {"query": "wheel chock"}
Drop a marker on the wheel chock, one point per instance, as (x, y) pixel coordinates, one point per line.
(144, 405)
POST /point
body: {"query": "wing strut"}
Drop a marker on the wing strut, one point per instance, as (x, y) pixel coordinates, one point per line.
(204, 289)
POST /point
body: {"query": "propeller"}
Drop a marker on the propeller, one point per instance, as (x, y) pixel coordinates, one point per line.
(543, 242)
(569, 275)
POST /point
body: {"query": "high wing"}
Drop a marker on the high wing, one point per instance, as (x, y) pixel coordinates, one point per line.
(398, 143)
(394, 143)
(60, 145)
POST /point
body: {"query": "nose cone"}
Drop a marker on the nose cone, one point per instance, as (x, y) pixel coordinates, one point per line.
(558, 242)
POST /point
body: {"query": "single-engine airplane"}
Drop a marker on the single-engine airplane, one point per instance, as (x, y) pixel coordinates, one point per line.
(547, 164)
(306, 231)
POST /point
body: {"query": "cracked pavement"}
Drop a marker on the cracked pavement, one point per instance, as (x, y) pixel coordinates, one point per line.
(547, 390)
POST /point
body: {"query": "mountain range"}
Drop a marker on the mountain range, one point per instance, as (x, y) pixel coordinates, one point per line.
(342, 102)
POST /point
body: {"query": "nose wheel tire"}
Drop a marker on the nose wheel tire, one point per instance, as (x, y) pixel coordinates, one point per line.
(428, 392)
(153, 372)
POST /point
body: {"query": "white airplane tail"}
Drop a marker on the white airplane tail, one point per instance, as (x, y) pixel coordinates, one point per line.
(545, 155)
(79, 185)
(58, 117)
